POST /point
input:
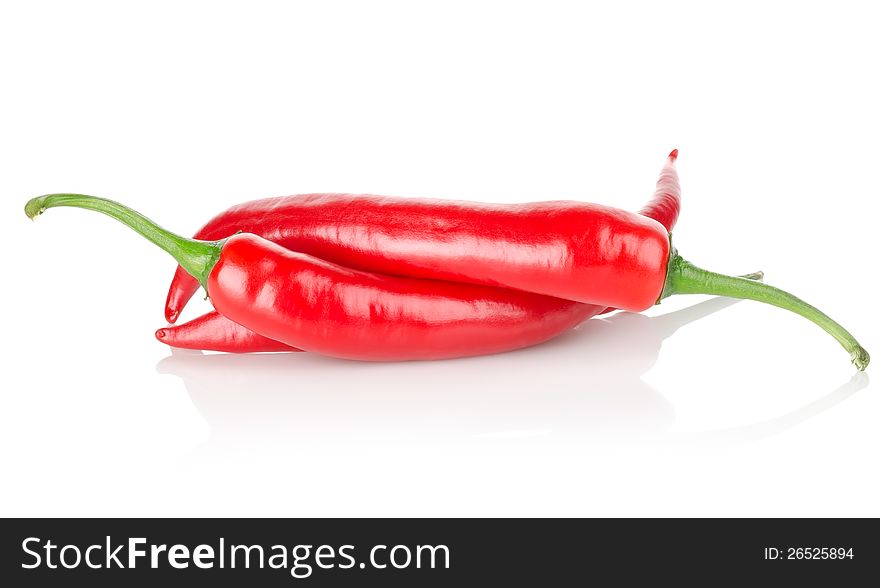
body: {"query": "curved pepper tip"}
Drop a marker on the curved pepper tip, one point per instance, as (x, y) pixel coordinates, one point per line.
(673, 155)
(160, 334)
(172, 314)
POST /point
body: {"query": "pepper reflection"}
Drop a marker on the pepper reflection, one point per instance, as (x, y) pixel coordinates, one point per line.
(584, 384)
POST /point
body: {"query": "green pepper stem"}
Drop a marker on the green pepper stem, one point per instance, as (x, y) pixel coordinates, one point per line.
(685, 278)
(759, 275)
(196, 257)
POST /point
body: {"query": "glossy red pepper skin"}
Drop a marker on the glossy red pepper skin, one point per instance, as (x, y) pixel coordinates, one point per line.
(326, 308)
(665, 205)
(573, 250)
(214, 332)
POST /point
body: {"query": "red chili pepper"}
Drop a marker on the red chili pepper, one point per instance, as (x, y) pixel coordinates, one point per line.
(494, 323)
(665, 205)
(320, 306)
(456, 241)
(214, 332)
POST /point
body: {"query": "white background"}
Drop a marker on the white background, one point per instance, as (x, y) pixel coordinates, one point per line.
(181, 109)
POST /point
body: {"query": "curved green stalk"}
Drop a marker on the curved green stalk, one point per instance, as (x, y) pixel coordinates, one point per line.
(685, 278)
(196, 257)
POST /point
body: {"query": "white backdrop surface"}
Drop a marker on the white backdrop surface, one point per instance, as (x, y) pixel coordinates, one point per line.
(697, 407)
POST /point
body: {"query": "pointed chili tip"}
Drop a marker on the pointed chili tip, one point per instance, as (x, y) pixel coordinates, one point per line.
(171, 315)
(35, 207)
(160, 334)
(673, 155)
